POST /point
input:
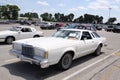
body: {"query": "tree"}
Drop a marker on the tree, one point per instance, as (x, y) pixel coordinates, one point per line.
(34, 15)
(57, 16)
(118, 24)
(47, 17)
(70, 17)
(30, 15)
(79, 19)
(111, 20)
(9, 12)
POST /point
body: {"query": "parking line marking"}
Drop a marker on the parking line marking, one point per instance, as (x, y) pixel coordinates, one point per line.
(12, 60)
(74, 74)
(109, 73)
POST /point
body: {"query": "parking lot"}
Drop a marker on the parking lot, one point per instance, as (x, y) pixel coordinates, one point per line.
(84, 68)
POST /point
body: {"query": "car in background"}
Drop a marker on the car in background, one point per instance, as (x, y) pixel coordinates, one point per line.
(98, 27)
(59, 25)
(25, 22)
(4, 22)
(47, 25)
(67, 27)
(19, 32)
(61, 49)
(109, 28)
(116, 29)
(78, 26)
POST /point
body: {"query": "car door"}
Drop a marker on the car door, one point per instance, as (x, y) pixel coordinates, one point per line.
(87, 43)
(26, 33)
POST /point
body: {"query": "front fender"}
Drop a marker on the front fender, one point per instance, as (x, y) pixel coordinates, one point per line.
(67, 50)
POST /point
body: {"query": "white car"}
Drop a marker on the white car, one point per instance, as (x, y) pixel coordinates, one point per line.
(19, 32)
(61, 49)
(47, 25)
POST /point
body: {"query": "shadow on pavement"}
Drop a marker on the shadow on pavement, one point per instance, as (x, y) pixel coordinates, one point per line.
(34, 72)
(3, 43)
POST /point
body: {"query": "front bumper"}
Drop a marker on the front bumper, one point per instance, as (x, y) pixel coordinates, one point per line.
(2, 39)
(42, 62)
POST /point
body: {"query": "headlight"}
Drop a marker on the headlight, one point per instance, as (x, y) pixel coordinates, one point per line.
(17, 46)
(41, 53)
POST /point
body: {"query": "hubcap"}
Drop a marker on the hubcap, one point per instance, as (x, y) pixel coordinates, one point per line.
(9, 40)
(98, 50)
(66, 62)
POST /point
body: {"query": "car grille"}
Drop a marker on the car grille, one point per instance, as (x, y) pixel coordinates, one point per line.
(28, 51)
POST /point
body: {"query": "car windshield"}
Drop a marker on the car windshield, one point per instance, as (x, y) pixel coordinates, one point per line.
(67, 34)
(15, 28)
(96, 35)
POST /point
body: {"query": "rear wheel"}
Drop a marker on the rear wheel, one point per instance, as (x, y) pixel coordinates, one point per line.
(65, 61)
(9, 40)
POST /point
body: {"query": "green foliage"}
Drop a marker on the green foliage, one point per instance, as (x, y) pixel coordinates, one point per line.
(47, 17)
(29, 15)
(88, 18)
(9, 12)
(111, 20)
(64, 18)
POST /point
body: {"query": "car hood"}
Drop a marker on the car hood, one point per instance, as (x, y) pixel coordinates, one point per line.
(6, 32)
(47, 43)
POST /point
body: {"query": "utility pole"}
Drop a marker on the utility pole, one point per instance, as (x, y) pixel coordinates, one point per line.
(109, 13)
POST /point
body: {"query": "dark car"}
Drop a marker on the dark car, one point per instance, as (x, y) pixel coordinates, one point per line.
(99, 27)
(116, 29)
(22, 22)
(109, 28)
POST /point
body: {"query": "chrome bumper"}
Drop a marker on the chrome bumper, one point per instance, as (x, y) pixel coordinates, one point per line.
(42, 62)
(2, 39)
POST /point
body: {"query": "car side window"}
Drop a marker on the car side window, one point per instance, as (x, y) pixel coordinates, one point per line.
(86, 35)
(26, 30)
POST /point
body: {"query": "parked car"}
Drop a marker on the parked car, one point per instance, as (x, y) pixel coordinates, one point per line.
(85, 27)
(67, 27)
(116, 29)
(59, 25)
(47, 25)
(60, 49)
(19, 32)
(99, 27)
(25, 22)
(109, 28)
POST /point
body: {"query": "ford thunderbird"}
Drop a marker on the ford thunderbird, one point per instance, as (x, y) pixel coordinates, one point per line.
(61, 49)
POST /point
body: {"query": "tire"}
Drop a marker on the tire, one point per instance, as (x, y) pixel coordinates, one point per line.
(36, 36)
(9, 40)
(65, 62)
(98, 51)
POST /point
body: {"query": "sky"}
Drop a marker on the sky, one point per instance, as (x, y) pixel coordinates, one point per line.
(77, 7)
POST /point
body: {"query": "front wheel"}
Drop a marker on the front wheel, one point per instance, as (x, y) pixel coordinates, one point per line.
(98, 50)
(65, 61)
